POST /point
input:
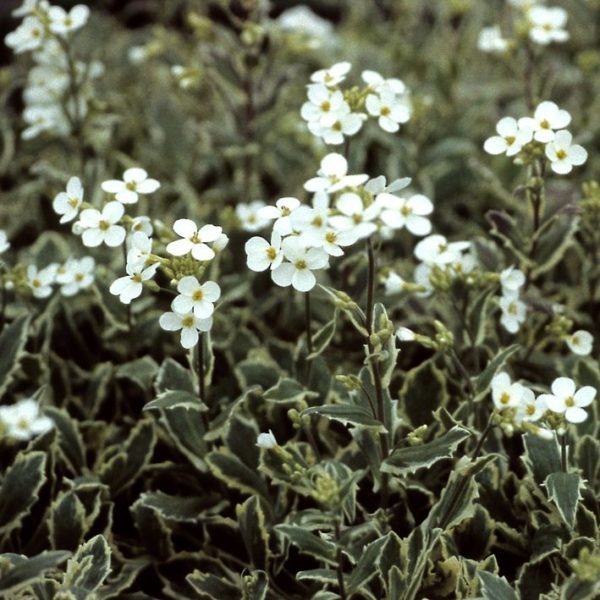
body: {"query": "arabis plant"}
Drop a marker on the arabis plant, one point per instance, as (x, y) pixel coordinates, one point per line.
(23, 420)
(135, 181)
(567, 400)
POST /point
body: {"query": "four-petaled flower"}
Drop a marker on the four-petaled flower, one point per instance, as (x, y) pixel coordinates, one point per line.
(194, 240)
(298, 272)
(196, 297)
(565, 399)
(563, 155)
(135, 181)
(189, 324)
(67, 204)
(99, 227)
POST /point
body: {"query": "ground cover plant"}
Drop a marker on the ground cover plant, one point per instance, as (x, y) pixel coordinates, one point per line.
(300, 300)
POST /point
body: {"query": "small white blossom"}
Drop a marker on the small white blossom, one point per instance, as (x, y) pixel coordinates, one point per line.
(75, 275)
(28, 36)
(266, 440)
(194, 240)
(511, 280)
(389, 109)
(249, 215)
(404, 334)
(143, 225)
(63, 22)
(101, 227)
(24, 420)
(332, 176)
(355, 216)
(28, 6)
(188, 323)
(377, 82)
(547, 119)
(490, 40)
(547, 24)
(377, 185)
(506, 394)
(530, 408)
(343, 123)
(40, 282)
(130, 286)
(262, 255)
(332, 76)
(196, 297)
(135, 181)
(323, 103)
(580, 342)
(513, 313)
(563, 155)
(140, 248)
(512, 136)
(333, 241)
(394, 284)
(281, 212)
(564, 399)
(312, 222)
(68, 203)
(410, 212)
(298, 272)
(435, 249)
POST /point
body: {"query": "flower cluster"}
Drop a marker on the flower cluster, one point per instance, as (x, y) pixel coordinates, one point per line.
(345, 208)
(333, 114)
(58, 92)
(23, 420)
(518, 406)
(542, 25)
(545, 130)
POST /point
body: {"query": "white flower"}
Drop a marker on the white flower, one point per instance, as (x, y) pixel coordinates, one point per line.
(28, 36)
(563, 154)
(142, 224)
(506, 394)
(194, 240)
(23, 420)
(564, 399)
(333, 241)
(40, 282)
(435, 249)
(377, 185)
(4, 243)
(281, 212)
(580, 342)
(547, 118)
(530, 408)
(131, 285)
(464, 263)
(266, 440)
(75, 275)
(44, 118)
(511, 280)
(195, 297)
(99, 227)
(63, 22)
(68, 203)
(547, 24)
(332, 76)
(343, 123)
(388, 108)
(513, 313)
(512, 136)
(322, 104)
(394, 284)
(355, 216)
(311, 222)
(410, 213)
(404, 334)
(262, 255)
(377, 82)
(249, 215)
(140, 248)
(422, 278)
(299, 271)
(491, 40)
(135, 181)
(189, 325)
(28, 6)
(332, 176)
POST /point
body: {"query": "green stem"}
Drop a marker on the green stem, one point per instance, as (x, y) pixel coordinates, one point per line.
(132, 342)
(563, 452)
(309, 343)
(340, 562)
(201, 383)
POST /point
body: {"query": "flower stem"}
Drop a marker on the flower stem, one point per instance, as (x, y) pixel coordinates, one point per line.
(563, 452)
(132, 343)
(309, 343)
(201, 377)
(340, 562)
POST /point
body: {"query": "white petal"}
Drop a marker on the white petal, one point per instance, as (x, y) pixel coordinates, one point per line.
(135, 175)
(185, 227)
(189, 337)
(575, 415)
(303, 280)
(179, 247)
(170, 321)
(188, 285)
(202, 252)
(283, 274)
(585, 396)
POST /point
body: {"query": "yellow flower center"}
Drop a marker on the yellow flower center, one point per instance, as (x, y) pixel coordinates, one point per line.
(23, 423)
(337, 126)
(188, 321)
(357, 218)
(385, 111)
(271, 253)
(197, 295)
(36, 283)
(301, 264)
(561, 154)
(570, 402)
(73, 202)
(103, 225)
(510, 140)
(285, 211)
(505, 398)
(544, 124)
(406, 211)
(79, 276)
(136, 277)
(512, 308)
(326, 106)
(130, 185)
(317, 221)
(530, 409)
(331, 237)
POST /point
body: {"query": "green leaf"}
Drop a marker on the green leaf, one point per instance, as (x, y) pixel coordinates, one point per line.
(323, 337)
(153, 532)
(309, 543)
(175, 399)
(70, 440)
(20, 488)
(484, 379)
(175, 508)
(288, 391)
(327, 576)
(140, 371)
(477, 314)
(232, 471)
(172, 376)
(564, 490)
(67, 523)
(253, 372)
(210, 587)
(347, 414)
(365, 569)
(252, 523)
(423, 391)
(27, 570)
(389, 347)
(256, 586)
(407, 460)
(90, 565)
(496, 588)
(541, 457)
(553, 239)
(587, 456)
(12, 343)
(122, 469)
